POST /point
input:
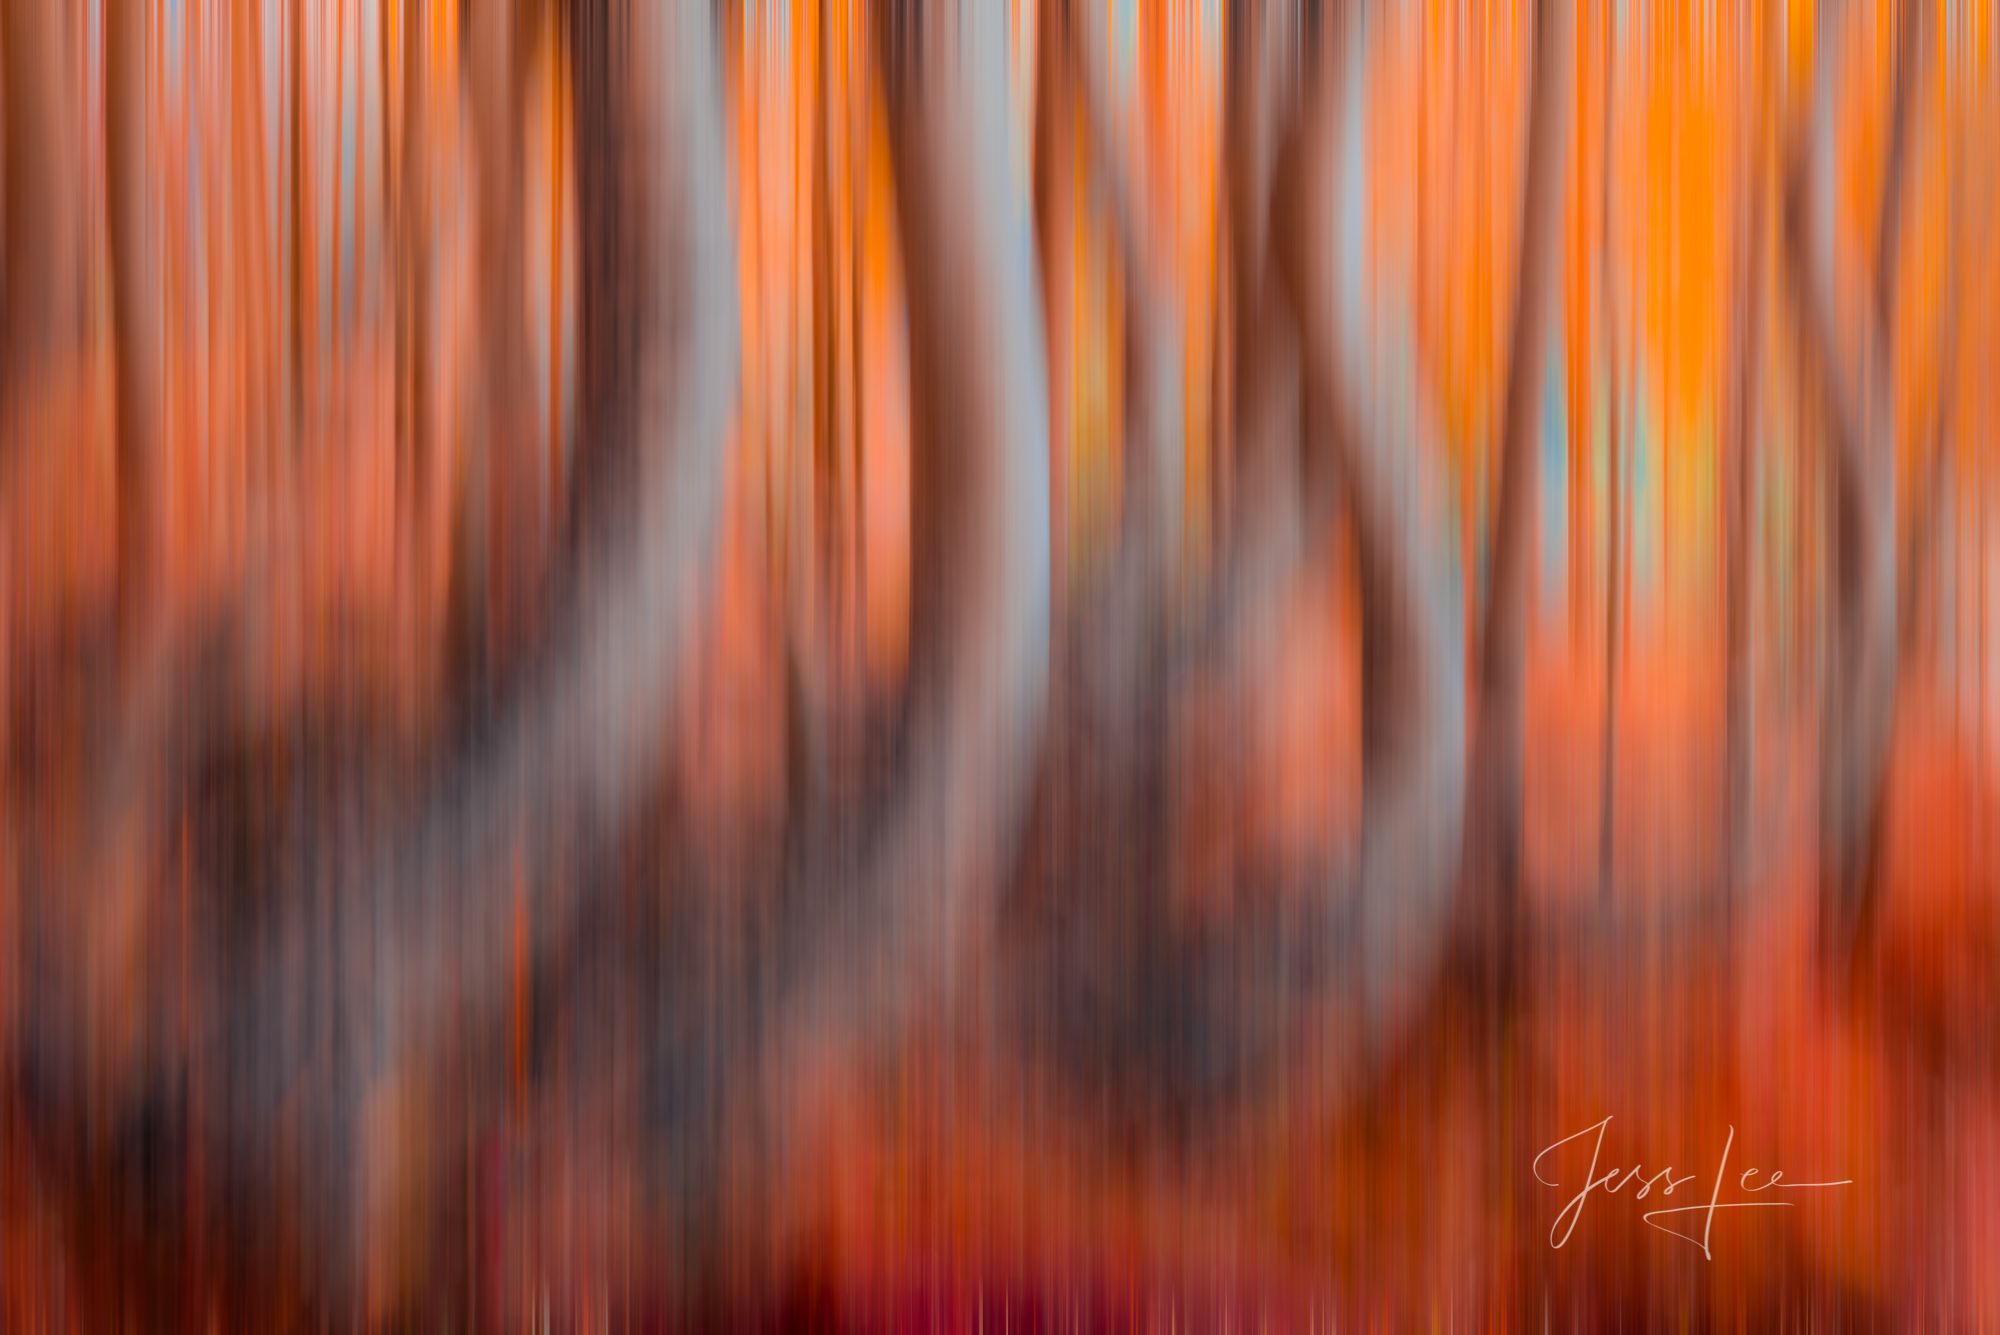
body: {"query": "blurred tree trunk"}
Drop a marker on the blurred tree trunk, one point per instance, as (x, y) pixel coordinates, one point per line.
(860, 145)
(1741, 492)
(412, 248)
(1857, 391)
(44, 195)
(1081, 150)
(569, 758)
(1055, 177)
(304, 343)
(337, 332)
(898, 934)
(829, 521)
(90, 935)
(814, 651)
(1502, 725)
(135, 308)
(355, 954)
(608, 309)
(252, 227)
(1413, 694)
(498, 573)
(1258, 533)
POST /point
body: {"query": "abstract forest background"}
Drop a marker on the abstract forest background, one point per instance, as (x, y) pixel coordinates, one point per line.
(1742, 440)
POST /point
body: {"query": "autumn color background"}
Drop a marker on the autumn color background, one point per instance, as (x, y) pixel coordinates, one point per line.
(1663, 955)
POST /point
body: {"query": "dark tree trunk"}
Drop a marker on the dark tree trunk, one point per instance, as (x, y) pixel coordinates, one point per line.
(363, 945)
(1502, 725)
(135, 302)
(1742, 489)
(304, 303)
(1858, 395)
(246, 131)
(412, 277)
(1413, 690)
(44, 198)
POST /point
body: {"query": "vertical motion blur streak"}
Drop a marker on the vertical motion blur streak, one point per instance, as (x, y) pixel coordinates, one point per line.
(874, 663)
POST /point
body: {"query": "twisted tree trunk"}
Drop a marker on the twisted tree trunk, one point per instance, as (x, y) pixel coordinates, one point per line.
(879, 936)
(1107, 654)
(370, 938)
(1858, 391)
(1073, 106)
(1503, 677)
(1203, 1012)
(1412, 686)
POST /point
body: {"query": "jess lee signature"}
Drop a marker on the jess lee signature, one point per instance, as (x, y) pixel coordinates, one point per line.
(1591, 1182)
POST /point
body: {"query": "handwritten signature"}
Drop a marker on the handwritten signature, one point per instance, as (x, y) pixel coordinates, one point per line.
(1574, 1210)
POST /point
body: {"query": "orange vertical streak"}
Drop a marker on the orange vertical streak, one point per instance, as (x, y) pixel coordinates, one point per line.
(215, 257)
(816, 69)
(386, 83)
(748, 88)
(339, 140)
(360, 166)
(304, 243)
(795, 240)
(253, 233)
(172, 148)
(557, 133)
(80, 44)
(854, 193)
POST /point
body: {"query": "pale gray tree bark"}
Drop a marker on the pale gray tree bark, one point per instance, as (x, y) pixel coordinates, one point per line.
(1109, 659)
(894, 930)
(367, 931)
(1298, 360)
(1307, 399)
(1071, 98)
